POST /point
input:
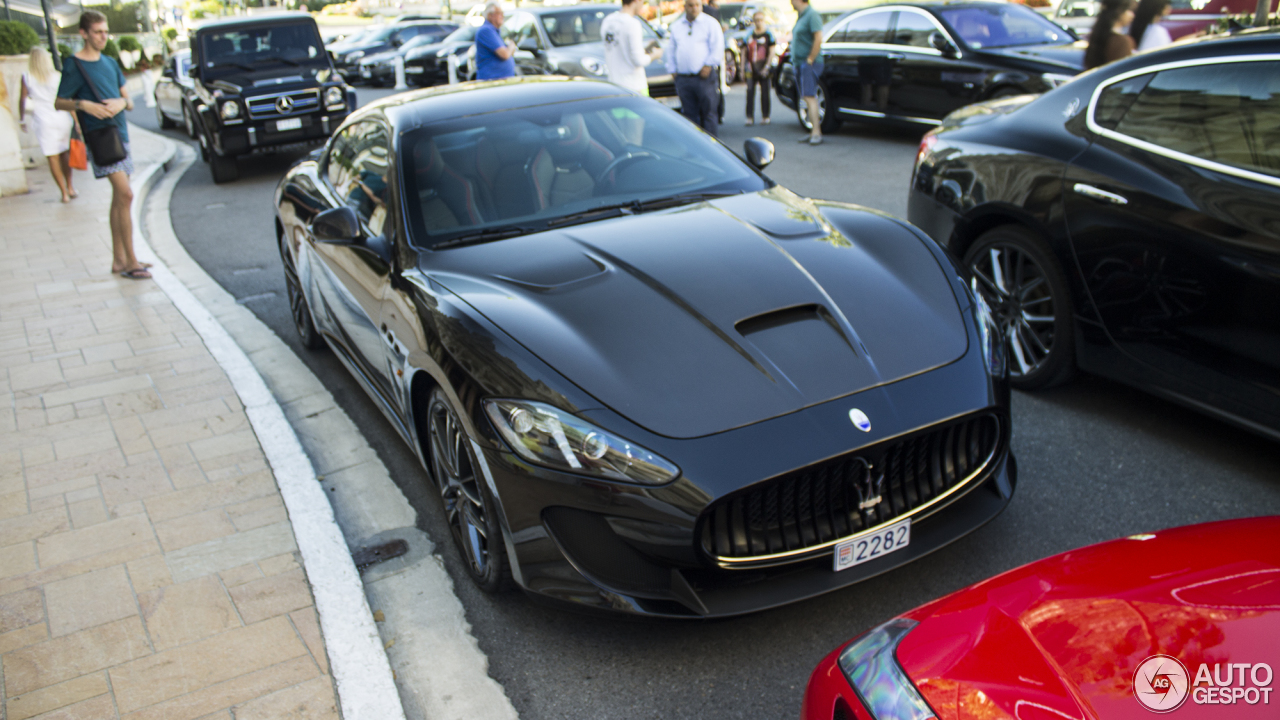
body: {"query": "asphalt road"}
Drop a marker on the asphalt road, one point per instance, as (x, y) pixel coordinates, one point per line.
(1096, 461)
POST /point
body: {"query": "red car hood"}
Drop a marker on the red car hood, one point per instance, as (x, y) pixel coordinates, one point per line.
(1063, 637)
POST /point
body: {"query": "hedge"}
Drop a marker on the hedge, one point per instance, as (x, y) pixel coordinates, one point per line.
(16, 38)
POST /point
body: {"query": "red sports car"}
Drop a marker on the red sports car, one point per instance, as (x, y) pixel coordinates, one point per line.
(1184, 620)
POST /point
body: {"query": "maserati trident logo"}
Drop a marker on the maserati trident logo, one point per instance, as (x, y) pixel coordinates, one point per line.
(860, 420)
(868, 487)
(284, 104)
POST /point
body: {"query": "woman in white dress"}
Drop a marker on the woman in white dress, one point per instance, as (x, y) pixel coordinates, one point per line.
(1146, 30)
(53, 127)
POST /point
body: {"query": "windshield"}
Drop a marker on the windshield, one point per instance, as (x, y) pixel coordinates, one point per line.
(466, 33)
(530, 169)
(429, 37)
(574, 28)
(248, 47)
(997, 26)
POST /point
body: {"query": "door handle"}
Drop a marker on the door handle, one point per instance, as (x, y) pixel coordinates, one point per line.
(897, 56)
(1090, 191)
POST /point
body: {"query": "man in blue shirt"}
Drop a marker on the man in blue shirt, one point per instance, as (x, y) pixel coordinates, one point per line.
(697, 49)
(806, 48)
(495, 58)
(75, 94)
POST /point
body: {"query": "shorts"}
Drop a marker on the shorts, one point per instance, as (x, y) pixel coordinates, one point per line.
(807, 78)
(125, 165)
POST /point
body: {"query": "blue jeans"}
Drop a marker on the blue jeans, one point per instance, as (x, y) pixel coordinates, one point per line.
(699, 98)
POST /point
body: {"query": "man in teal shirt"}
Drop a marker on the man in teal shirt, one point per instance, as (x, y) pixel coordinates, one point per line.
(806, 48)
(75, 95)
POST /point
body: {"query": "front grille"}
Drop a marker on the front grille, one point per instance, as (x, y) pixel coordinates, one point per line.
(264, 106)
(804, 512)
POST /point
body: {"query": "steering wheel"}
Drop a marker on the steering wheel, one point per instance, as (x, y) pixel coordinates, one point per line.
(620, 161)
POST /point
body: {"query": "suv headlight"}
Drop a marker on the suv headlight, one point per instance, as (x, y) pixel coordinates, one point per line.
(593, 65)
(546, 436)
(230, 110)
(988, 333)
(333, 96)
(1054, 80)
(872, 670)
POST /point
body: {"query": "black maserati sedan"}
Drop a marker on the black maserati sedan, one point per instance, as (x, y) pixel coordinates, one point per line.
(1128, 224)
(643, 377)
(913, 63)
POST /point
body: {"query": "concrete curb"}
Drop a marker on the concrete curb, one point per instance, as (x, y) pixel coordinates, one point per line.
(357, 661)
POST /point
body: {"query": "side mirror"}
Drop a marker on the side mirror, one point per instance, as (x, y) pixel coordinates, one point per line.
(529, 44)
(336, 226)
(759, 152)
(940, 43)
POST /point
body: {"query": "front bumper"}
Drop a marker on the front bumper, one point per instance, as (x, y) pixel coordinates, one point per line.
(643, 550)
(258, 134)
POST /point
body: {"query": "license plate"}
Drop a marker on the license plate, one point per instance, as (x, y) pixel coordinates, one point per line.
(856, 551)
(290, 124)
(413, 70)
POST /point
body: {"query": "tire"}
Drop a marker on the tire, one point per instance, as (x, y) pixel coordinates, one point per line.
(161, 119)
(829, 122)
(469, 509)
(1021, 280)
(224, 169)
(299, 309)
(189, 121)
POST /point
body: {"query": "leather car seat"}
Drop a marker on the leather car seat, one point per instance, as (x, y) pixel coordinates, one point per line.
(447, 198)
(566, 170)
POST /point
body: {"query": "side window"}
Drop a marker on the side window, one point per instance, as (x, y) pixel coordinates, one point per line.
(872, 27)
(1226, 112)
(357, 168)
(518, 28)
(914, 30)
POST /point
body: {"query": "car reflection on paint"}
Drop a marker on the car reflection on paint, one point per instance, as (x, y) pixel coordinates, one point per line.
(1081, 634)
(642, 376)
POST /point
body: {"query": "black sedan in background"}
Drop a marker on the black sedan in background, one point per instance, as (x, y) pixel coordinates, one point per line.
(643, 377)
(379, 69)
(913, 63)
(428, 65)
(1128, 224)
(346, 60)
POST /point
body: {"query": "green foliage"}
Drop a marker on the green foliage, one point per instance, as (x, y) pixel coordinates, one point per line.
(202, 9)
(170, 33)
(64, 50)
(1245, 20)
(112, 51)
(130, 43)
(16, 38)
(121, 17)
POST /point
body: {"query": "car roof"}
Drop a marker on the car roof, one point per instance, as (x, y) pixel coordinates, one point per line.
(281, 18)
(557, 9)
(406, 110)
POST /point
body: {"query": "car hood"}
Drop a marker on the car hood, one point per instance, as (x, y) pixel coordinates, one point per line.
(274, 79)
(1067, 58)
(717, 315)
(1063, 637)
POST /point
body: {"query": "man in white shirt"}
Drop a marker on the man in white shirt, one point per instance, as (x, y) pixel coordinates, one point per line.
(625, 56)
(697, 49)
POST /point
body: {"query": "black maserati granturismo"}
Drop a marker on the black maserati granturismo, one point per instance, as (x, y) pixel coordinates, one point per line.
(1128, 224)
(641, 376)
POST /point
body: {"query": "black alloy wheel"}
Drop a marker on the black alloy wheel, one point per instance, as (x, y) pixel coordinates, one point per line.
(1027, 292)
(468, 507)
(161, 119)
(826, 120)
(298, 306)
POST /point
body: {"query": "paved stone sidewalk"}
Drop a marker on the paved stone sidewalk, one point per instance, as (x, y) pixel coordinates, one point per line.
(147, 565)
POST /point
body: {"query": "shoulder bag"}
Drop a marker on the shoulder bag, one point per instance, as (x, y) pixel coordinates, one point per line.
(104, 142)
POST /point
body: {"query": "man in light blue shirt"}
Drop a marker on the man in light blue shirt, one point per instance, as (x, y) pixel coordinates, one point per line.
(697, 49)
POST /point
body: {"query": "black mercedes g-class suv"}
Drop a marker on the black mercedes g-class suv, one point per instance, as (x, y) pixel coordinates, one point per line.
(262, 82)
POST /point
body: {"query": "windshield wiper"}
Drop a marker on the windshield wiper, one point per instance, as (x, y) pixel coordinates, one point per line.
(231, 64)
(633, 207)
(484, 236)
(277, 59)
(682, 199)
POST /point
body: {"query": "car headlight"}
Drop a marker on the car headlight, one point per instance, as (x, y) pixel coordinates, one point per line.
(443, 53)
(871, 668)
(230, 110)
(1054, 80)
(352, 57)
(333, 96)
(546, 436)
(988, 333)
(593, 65)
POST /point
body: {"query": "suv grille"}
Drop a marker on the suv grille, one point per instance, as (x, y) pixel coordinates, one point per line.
(799, 515)
(302, 101)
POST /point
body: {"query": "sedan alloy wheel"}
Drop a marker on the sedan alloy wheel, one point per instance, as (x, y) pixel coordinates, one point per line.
(298, 306)
(1027, 292)
(826, 120)
(467, 505)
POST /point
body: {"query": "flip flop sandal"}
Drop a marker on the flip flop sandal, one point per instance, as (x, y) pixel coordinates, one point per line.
(136, 274)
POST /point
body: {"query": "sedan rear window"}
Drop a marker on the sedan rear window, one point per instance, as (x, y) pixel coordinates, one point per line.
(573, 28)
(1003, 26)
(533, 168)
